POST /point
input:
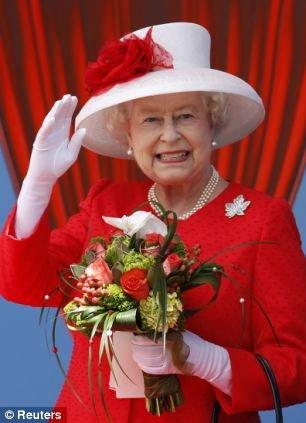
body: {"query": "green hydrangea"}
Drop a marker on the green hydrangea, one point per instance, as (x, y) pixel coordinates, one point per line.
(72, 317)
(149, 311)
(133, 260)
(116, 299)
(71, 306)
(116, 248)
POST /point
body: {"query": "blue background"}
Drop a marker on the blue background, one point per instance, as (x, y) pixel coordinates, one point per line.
(29, 375)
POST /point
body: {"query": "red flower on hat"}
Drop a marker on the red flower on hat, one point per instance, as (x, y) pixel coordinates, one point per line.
(123, 60)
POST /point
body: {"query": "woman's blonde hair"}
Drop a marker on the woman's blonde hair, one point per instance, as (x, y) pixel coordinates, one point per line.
(216, 104)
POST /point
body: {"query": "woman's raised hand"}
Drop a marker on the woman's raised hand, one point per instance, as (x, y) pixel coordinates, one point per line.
(53, 152)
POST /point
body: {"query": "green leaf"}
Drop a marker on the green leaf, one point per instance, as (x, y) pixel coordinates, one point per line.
(89, 257)
(176, 278)
(59, 362)
(171, 228)
(87, 308)
(90, 382)
(239, 245)
(126, 321)
(92, 320)
(206, 273)
(117, 271)
(133, 243)
(77, 270)
(212, 280)
(108, 327)
(158, 280)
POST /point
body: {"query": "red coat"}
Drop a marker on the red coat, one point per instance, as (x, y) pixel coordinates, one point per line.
(274, 274)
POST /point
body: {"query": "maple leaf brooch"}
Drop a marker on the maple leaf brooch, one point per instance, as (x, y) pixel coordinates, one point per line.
(237, 207)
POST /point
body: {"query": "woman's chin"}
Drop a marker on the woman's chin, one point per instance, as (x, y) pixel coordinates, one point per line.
(171, 177)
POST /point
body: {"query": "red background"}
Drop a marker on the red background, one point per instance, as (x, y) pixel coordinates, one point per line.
(45, 46)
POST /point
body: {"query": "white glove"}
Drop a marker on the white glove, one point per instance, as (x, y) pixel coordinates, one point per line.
(52, 154)
(205, 360)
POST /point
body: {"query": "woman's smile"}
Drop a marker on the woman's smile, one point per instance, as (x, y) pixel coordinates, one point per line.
(178, 156)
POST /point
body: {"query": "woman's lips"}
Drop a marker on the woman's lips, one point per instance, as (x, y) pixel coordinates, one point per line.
(172, 156)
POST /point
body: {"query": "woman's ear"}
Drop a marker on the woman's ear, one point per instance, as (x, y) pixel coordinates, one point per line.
(128, 136)
(129, 151)
(127, 124)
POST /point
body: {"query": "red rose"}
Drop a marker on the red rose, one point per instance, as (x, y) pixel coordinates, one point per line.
(123, 60)
(172, 262)
(154, 239)
(135, 283)
(100, 271)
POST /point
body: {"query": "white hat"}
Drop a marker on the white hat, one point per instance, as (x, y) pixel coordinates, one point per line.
(188, 47)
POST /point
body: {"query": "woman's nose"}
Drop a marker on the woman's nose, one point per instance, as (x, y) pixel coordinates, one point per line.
(169, 131)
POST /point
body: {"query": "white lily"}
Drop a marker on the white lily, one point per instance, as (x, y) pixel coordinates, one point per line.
(140, 223)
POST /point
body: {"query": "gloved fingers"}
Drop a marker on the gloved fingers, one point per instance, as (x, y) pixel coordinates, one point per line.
(143, 351)
(152, 370)
(144, 340)
(75, 143)
(55, 127)
(62, 120)
(56, 109)
(157, 365)
(71, 106)
(150, 356)
(150, 361)
(68, 106)
(52, 111)
(44, 131)
(157, 361)
(67, 153)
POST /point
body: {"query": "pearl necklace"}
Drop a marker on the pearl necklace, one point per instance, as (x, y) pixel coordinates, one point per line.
(202, 200)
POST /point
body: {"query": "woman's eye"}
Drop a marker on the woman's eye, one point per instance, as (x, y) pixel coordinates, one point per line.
(185, 116)
(150, 119)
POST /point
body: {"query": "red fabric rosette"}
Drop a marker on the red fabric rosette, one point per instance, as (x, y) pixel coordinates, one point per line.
(122, 60)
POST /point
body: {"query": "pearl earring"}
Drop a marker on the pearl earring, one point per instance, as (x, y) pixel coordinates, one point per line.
(129, 151)
(214, 143)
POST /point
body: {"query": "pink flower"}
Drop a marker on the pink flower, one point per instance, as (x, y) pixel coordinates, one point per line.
(100, 271)
(172, 262)
(97, 248)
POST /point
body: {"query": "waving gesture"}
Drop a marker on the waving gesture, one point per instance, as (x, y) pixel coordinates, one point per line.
(52, 154)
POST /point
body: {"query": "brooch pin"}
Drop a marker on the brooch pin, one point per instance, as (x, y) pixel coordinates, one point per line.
(237, 207)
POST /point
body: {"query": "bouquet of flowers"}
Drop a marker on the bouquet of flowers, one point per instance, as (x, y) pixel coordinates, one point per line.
(134, 281)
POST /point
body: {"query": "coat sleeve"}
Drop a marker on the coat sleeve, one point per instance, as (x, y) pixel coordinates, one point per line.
(29, 266)
(280, 287)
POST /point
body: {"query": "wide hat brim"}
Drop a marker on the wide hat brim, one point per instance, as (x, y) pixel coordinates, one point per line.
(245, 107)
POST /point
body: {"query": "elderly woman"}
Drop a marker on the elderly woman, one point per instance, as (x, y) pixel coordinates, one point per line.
(156, 99)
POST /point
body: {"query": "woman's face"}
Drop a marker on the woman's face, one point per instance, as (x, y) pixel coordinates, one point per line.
(171, 137)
